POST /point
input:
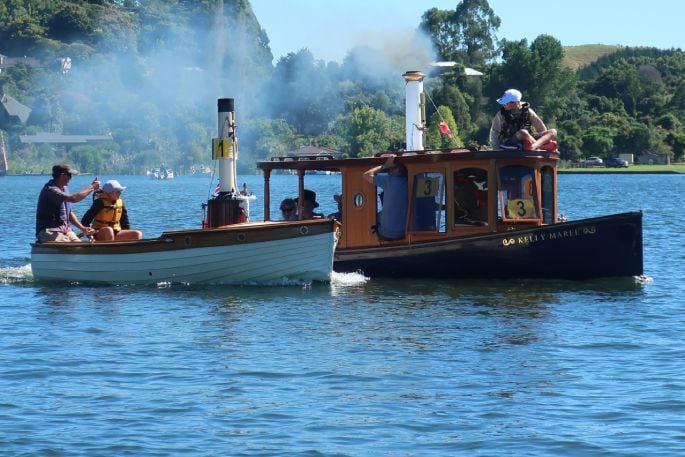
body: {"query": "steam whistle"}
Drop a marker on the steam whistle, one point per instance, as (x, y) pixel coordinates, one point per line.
(228, 206)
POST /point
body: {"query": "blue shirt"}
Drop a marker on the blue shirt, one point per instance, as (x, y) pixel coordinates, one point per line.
(393, 217)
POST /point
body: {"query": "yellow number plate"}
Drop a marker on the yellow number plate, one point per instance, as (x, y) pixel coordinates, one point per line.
(521, 208)
(427, 187)
(222, 148)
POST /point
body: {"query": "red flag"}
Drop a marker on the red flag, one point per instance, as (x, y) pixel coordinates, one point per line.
(445, 129)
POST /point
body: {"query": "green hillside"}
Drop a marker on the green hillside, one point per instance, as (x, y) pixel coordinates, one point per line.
(576, 57)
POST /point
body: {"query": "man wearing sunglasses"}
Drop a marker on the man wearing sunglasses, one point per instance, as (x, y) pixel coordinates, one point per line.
(54, 210)
(288, 212)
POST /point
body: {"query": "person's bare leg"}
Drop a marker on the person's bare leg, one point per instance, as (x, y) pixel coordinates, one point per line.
(527, 140)
(546, 137)
(128, 235)
(105, 234)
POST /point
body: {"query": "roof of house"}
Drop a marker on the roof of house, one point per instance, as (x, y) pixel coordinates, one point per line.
(13, 110)
(315, 151)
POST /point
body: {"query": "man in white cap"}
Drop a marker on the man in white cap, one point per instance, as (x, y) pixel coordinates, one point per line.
(516, 126)
(108, 215)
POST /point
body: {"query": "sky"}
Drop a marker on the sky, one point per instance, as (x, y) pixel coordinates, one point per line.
(330, 28)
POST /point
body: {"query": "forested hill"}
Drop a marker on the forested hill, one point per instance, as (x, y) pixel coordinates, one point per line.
(149, 74)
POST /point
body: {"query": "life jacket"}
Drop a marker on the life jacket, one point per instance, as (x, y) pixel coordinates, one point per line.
(110, 214)
(513, 123)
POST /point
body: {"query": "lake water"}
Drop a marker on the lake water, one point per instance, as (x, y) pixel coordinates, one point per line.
(356, 367)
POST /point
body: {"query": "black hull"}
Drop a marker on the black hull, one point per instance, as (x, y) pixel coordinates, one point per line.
(607, 246)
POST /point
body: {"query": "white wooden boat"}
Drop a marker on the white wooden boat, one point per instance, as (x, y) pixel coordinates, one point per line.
(227, 250)
(249, 253)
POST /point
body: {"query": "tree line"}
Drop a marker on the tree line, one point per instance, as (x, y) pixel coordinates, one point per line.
(149, 74)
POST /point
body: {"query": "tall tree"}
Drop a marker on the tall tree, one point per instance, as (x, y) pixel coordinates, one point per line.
(536, 71)
(465, 35)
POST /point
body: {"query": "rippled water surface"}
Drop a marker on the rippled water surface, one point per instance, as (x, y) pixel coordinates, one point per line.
(356, 367)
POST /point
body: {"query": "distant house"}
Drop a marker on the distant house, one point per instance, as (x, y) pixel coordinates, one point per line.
(654, 158)
(7, 62)
(315, 151)
(11, 111)
(63, 64)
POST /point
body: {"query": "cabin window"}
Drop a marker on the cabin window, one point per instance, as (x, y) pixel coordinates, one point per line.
(547, 183)
(517, 192)
(358, 200)
(427, 204)
(471, 196)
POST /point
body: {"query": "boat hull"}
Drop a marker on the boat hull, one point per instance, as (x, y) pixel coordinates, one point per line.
(607, 246)
(253, 253)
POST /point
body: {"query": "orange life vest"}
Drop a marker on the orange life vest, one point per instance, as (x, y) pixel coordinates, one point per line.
(110, 214)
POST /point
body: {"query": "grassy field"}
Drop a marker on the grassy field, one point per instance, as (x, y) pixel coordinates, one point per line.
(580, 56)
(674, 168)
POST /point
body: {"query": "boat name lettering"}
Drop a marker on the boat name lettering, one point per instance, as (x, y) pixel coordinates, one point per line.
(557, 235)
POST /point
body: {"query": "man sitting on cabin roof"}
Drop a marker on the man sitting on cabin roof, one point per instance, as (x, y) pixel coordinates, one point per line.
(392, 220)
(512, 125)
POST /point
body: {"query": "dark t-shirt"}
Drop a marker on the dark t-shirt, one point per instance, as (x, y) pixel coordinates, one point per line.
(53, 209)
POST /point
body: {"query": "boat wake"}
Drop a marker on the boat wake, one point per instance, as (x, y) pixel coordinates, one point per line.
(15, 275)
(643, 279)
(348, 279)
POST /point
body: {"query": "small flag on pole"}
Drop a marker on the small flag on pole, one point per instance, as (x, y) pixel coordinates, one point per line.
(217, 189)
(444, 129)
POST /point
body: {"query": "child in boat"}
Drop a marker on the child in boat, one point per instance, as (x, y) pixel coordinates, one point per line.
(108, 215)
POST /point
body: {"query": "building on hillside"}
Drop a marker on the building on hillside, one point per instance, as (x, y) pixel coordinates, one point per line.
(315, 151)
(63, 64)
(11, 111)
(8, 62)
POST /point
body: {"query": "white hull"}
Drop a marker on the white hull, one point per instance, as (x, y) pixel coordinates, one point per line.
(268, 261)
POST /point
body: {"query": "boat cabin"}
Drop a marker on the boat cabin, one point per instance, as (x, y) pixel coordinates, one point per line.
(451, 193)
(468, 213)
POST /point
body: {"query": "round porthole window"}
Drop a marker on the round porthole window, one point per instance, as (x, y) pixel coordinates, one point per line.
(358, 200)
(304, 230)
(241, 237)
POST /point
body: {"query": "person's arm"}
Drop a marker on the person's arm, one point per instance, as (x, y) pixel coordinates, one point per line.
(124, 222)
(369, 174)
(74, 220)
(495, 130)
(83, 193)
(537, 123)
(93, 211)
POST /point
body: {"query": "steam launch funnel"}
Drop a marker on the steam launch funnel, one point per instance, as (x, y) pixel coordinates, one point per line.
(228, 206)
(415, 110)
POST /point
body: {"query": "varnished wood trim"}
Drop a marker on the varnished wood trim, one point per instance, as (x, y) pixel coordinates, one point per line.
(196, 238)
